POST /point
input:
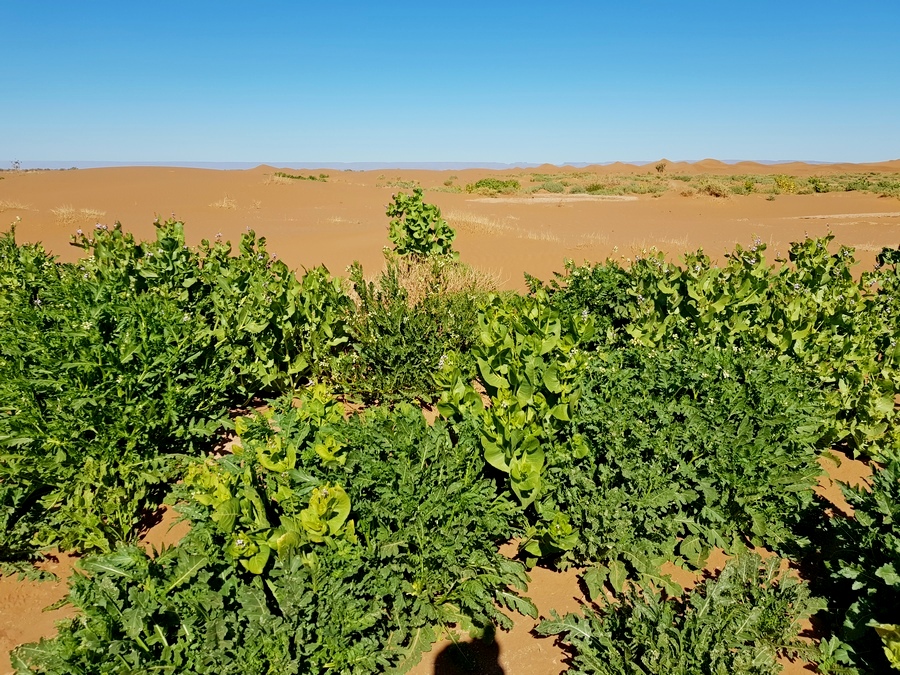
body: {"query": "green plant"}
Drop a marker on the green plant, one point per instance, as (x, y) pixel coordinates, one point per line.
(398, 342)
(417, 228)
(113, 367)
(322, 177)
(553, 186)
(785, 184)
(739, 622)
(860, 183)
(529, 363)
(685, 449)
(861, 557)
(329, 596)
(819, 185)
(492, 186)
(714, 188)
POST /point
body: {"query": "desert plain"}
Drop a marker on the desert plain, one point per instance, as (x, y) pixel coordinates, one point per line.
(333, 218)
(340, 216)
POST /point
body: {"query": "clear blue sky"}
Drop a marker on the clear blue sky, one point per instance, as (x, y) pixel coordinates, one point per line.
(450, 81)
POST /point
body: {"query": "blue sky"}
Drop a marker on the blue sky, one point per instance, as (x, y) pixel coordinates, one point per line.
(457, 81)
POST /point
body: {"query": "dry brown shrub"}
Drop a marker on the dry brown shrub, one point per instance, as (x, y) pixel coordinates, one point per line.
(65, 215)
(442, 275)
(272, 179)
(12, 205)
(225, 203)
(715, 188)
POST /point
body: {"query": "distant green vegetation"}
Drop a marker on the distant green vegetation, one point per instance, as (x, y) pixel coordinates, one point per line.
(493, 186)
(658, 181)
(322, 176)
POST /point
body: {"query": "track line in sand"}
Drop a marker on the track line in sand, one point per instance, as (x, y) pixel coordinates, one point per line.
(845, 216)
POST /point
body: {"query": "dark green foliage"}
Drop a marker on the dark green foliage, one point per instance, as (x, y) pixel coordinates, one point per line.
(110, 367)
(322, 176)
(861, 557)
(738, 623)
(423, 557)
(687, 449)
(812, 311)
(602, 291)
(397, 345)
(492, 186)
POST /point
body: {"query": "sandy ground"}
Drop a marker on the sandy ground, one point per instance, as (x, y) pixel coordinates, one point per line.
(308, 223)
(335, 222)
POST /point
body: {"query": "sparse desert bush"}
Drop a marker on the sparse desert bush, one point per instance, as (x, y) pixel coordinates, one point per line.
(91, 214)
(493, 186)
(887, 187)
(860, 183)
(745, 187)
(399, 183)
(277, 180)
(65, 215)
(785, 184)
(228, 203)
(819, 185)
(292, 177)
(68, 215)
(643, 188)
(661, 167)
(682, 177)
(610, 188)
(13, 205)
(552, 186)
(714, 188)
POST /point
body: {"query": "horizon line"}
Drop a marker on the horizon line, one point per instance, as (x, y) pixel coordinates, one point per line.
(36, 165)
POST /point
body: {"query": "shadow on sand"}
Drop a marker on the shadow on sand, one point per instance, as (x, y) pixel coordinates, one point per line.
(469, 658)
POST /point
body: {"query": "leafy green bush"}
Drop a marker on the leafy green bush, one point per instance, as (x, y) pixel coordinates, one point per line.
(112, 367)
(686, 449)
(819, 185)
(417, 228)
(858, 183)
(814, 312)
(739, 622)
(405, 548)
(529, 363)
(861, 558)
(398, 345)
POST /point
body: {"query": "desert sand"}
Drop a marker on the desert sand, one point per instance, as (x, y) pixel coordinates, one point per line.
(339, 220)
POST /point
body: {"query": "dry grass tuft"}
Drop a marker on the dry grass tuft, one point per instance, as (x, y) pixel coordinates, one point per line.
(91, 214)
(65, 215)
(69, 215)
(272, 179)
(421, 277)
(225, 203)
(592, 239)
(472, 222)
(11, 205)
